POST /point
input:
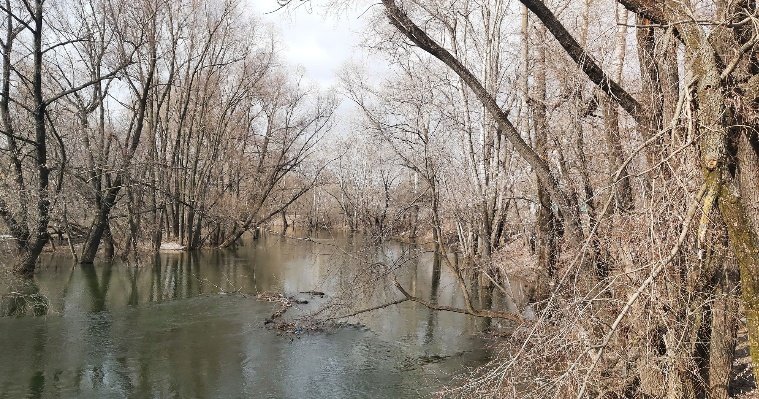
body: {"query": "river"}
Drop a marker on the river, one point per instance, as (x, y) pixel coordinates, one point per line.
(188, 325)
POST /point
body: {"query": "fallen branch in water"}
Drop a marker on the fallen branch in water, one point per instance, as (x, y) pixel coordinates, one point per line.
(285, 302)
(378, 307)
(314, 293)
(475, 312)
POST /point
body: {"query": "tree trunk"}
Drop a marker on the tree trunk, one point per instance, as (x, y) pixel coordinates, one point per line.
(95, 237)
(547, 222)
(26, 264)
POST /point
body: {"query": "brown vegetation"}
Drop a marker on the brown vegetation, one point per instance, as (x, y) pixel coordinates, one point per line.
(628, 170)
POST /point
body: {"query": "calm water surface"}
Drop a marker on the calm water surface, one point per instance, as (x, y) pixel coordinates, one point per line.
(180, 326)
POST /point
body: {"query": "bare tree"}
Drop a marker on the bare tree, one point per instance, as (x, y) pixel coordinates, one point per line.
(34, 96)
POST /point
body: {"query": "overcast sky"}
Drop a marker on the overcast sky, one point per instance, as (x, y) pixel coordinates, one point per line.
(320, 44)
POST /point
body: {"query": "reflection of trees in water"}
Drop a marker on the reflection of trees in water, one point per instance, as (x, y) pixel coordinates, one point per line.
(176, 276)
(170, 277)
(188, 274)
(98, 322)
(98, 287)
(434, 287)
(193, 346)
(167, 276)
(483, 292)
(156, 289)
(23, 297)
(163, 277)
(371, 268)
(36, 385)
(102, 370)
(134, 296)
(37, 381)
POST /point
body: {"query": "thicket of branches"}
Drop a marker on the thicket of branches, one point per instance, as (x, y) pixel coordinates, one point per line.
(604, 151)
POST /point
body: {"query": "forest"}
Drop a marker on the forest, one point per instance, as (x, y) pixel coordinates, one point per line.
(592, 164)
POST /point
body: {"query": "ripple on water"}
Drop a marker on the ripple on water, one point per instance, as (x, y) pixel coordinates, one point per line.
(164, 330)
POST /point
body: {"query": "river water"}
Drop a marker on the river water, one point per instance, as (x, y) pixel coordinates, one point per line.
(188, 325)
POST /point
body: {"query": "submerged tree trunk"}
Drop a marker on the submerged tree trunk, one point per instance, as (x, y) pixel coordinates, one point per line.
(98, 231)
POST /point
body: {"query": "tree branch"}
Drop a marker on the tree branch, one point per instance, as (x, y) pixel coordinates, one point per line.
(85, 85)
(474, 312)
(588, 65)
(367, 310)
(403, 23)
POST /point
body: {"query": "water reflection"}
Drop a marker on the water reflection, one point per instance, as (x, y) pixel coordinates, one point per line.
(170, 328)
(434, 287)
(98, 287)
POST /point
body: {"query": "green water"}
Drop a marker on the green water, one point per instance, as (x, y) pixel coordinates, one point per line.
(187, 325)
